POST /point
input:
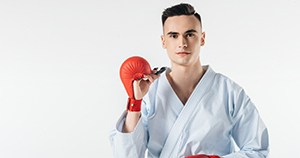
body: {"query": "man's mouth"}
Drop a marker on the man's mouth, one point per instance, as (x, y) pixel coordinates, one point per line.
(183, 53)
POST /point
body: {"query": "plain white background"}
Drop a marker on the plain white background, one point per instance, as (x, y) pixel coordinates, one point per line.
(60, 92)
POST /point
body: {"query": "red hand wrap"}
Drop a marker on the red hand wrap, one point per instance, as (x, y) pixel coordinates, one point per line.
(134, 105)
(203, 156)
(133, 68)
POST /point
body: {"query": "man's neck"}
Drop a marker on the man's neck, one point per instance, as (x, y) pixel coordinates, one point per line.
(184, 79)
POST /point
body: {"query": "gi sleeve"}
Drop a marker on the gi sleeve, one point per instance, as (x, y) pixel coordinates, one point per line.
(128, 145)
(249, 132)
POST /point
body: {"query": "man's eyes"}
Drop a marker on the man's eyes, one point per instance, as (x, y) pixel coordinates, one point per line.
(190, 35)
(173, 35)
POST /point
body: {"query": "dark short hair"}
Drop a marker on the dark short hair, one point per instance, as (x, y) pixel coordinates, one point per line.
(180, 9)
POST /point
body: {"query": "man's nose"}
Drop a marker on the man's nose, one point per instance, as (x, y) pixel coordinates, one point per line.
(182, 42)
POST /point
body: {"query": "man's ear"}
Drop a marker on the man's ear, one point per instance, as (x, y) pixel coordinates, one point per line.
(163, 42)
(202, 42)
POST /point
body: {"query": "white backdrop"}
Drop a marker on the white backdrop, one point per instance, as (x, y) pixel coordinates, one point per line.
(60, 92)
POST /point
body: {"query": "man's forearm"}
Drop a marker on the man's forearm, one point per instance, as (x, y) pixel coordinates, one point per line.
(131, 120)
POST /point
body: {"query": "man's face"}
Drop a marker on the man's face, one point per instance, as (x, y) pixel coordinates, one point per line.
(183, 37)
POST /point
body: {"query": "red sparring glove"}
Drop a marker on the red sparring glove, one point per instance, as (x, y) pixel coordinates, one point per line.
(133, 68)
(203, 156)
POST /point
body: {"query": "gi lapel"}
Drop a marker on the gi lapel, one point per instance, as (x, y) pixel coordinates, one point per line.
(187, 113)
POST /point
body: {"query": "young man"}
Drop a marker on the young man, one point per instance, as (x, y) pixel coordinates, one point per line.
(189, 109)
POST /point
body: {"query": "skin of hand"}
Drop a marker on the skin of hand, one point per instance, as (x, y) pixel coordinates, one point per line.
(141, 87)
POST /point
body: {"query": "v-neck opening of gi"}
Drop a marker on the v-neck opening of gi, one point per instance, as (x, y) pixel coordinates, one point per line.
(192, 94)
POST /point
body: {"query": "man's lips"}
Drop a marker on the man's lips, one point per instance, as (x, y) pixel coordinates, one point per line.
(183, 53)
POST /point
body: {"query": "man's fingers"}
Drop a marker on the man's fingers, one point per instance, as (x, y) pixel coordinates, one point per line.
(145, 78)
(149, 78)
(153, 76)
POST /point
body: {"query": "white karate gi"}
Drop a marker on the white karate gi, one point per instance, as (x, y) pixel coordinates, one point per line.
(217, 116)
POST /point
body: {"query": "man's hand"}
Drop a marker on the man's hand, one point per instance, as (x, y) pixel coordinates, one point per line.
(141, 86)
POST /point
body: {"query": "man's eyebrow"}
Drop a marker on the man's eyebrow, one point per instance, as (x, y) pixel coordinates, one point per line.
(172, 33)
(175, 33)
(190, 31)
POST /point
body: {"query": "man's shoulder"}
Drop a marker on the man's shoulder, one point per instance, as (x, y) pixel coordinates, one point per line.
(225, 81)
